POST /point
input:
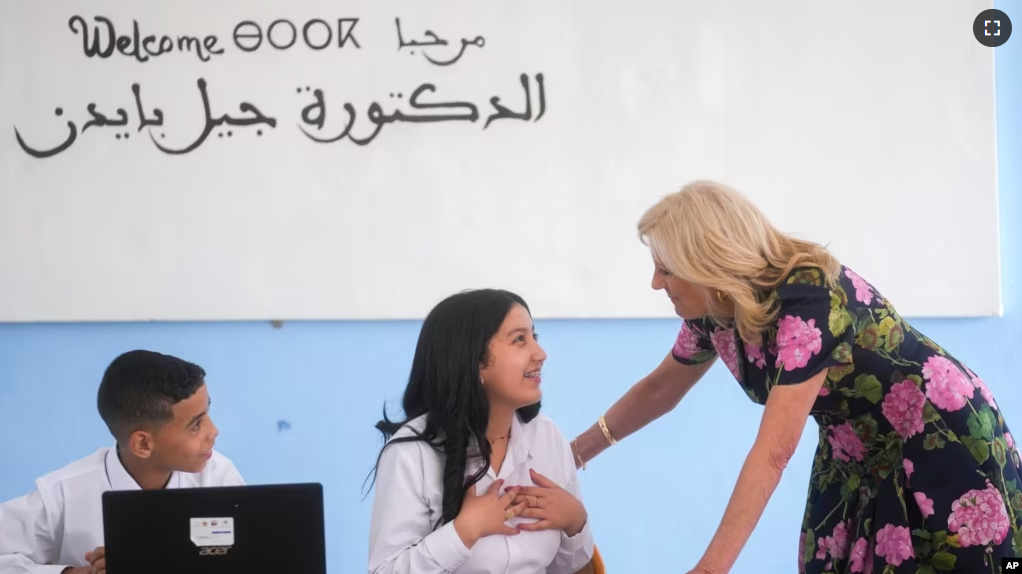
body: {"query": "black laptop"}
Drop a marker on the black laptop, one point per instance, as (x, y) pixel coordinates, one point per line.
(217, 530)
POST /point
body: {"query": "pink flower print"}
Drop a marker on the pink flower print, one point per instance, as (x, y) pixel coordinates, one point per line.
(845, 443)
(755, 355)
(1011, 443)
(797, 341)
(903, 407)
(925, 504)
(838, 543)
(860, 554)
(802, 553)
(979, 517)
(824, 391)
(983, 390)
(724, 342)
(947, 386)
(909, 467)
(894, 543)
(863, 292)
(687, 344)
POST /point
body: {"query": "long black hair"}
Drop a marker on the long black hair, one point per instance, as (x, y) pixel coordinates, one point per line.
(444, 385)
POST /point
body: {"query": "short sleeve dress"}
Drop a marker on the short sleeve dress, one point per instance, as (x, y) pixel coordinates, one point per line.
(915, 471)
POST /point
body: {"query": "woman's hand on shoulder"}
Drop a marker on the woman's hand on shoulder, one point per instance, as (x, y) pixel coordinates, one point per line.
(486, 514)
(552, 506)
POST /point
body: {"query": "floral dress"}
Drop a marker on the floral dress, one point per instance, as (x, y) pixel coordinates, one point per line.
(916, 471)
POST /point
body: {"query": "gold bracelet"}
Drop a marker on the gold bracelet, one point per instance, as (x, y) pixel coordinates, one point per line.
(606, 431)
(578, 456)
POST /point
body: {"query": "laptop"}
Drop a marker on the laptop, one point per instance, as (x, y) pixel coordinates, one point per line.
(215, 530)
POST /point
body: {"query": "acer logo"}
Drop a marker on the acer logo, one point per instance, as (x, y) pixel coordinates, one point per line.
(214, 550)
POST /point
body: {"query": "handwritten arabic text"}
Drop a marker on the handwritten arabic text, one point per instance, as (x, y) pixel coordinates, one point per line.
(423, 105)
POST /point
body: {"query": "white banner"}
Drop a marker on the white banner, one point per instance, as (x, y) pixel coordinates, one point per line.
(315, 159)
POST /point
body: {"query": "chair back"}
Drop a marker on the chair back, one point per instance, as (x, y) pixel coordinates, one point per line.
(595, 565)
(597, 562)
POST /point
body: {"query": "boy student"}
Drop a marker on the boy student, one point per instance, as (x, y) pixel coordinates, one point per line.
(156, 406)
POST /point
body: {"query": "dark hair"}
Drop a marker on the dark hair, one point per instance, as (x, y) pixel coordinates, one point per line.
(444, 385)
(140, 389)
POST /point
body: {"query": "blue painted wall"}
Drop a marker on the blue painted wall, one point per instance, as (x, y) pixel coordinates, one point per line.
(655, 499)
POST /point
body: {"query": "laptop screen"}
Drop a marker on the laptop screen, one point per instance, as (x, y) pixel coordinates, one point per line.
(216, 530)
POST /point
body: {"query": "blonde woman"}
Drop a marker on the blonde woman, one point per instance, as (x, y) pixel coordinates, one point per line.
(916, 470)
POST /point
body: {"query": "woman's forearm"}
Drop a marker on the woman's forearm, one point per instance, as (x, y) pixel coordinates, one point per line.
(757, 481)
(784, 420)
(636, 409)
(649, 399)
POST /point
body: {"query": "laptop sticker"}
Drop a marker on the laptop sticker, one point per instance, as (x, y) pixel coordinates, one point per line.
(212, 531)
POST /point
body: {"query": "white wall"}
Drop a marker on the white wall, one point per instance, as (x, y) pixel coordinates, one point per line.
(859, 124)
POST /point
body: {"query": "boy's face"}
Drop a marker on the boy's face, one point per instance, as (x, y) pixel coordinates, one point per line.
(185, 444)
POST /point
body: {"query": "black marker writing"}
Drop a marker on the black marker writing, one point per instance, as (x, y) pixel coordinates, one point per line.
(256, 118)
(100, 119)
(526, 115)
(72, 135)
(143, 121)
(314, 114)
(424, 105)
(103, 45)
(282, 34)
(434, 40)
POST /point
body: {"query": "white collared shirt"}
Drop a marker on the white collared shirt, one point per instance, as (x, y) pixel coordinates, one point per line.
(52, 527)
(409, 500)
